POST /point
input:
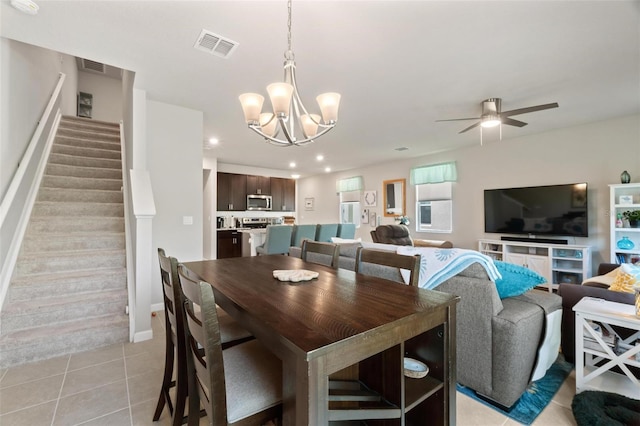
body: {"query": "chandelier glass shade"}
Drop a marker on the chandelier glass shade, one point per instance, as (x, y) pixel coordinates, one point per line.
(289, 123)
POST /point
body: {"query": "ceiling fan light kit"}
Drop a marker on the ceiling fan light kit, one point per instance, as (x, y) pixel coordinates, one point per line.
(26, 6)
(492, 115)
(289, 117)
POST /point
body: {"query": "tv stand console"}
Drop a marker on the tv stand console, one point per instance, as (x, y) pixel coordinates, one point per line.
(558, 263)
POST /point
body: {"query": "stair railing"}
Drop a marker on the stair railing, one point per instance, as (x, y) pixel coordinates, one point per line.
(20, 196)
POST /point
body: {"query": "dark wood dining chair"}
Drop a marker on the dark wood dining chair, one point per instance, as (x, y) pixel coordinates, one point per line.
(175, 341)
(241, 385)
(328, 253)
(388, 259)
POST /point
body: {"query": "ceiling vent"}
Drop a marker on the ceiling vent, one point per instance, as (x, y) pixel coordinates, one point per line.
(215, 44)
(89, 65)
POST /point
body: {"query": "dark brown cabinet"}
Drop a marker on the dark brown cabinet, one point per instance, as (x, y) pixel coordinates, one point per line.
(232, 192)
(260, 185)
(229, 244)
(283, 192)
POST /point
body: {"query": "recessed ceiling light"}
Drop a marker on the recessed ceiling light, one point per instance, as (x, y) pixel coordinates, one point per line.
(319, 157)
(295, 176)
(327, 169)
(25, 6)
(292, 164)
(213, 141)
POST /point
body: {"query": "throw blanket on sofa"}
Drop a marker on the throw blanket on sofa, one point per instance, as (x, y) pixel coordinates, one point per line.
(438, 265)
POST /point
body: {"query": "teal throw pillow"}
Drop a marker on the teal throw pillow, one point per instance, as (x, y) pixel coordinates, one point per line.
(515, 279)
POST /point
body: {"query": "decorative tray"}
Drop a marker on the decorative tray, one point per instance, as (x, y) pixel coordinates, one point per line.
(414, 368)
(294, 275)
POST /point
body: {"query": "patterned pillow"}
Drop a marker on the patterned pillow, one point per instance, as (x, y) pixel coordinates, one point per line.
(628, 276)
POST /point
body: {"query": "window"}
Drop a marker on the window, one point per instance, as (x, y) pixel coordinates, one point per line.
(350, 207)
(350, 213)
(434, 208)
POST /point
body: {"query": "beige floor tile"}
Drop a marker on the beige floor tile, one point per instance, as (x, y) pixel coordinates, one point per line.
(90, 404)
(142, 414)
(567, 391)
(153, 345)
(39, 415)
(98, 356)
(145, 387)
(472, 413)
(555, 415)
(93, 377)
(29, 394)
(121, 417)
(144, 362)
(34, 371)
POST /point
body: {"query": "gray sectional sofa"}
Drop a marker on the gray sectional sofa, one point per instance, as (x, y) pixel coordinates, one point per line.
(501, 343)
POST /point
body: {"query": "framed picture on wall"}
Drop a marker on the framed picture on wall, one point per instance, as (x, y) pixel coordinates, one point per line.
(308, 203)
(372, 219)
(364, 217)
(370, 198)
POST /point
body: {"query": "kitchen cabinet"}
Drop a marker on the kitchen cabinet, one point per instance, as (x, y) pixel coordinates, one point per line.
(260, 185)
(283, 193)
(232, 192)
(229, 244)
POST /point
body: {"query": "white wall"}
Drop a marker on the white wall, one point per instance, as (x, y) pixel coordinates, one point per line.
(174, 159)
(210, 193)
(28, 75)
(107, 95)
(595, 153)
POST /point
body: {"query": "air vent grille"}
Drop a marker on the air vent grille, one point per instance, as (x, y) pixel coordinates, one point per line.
(215, 44)
(402, 148)
(90, 65)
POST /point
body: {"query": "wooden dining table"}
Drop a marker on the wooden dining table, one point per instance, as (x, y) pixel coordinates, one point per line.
(322, 326)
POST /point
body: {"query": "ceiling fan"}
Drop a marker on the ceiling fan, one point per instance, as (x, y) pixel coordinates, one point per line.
(492, 115)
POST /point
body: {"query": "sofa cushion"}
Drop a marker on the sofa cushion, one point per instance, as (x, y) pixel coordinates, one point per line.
(628, 275)
(516, 279)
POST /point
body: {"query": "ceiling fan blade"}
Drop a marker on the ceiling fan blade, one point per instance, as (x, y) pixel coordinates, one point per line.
(461, 119)
(512, 122)
(470, 127)
(528, 109)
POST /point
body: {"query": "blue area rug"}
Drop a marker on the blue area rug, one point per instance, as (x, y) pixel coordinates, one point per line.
(536, 397)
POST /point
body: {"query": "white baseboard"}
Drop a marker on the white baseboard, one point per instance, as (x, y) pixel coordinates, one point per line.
(156, 307)
(142, 336)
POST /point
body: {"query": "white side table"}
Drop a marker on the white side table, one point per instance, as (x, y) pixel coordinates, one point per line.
(588, 374)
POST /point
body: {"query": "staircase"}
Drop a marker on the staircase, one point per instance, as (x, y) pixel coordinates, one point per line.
(69, 291)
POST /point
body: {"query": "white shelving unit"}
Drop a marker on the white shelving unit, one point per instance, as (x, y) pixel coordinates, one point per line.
(616, 207)
(558, 263)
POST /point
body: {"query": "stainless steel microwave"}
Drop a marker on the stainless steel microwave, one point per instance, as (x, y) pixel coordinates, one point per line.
(258, 202)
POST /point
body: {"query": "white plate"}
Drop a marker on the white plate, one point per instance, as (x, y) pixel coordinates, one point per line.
(415, 369)
(294, 275)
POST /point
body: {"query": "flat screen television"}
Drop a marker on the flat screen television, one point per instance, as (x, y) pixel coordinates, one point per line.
(552, 210)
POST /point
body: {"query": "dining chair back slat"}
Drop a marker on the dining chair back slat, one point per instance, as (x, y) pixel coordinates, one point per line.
(390, 260)
(328, 253)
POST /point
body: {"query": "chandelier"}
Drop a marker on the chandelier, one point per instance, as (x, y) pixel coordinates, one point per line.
(289, 117)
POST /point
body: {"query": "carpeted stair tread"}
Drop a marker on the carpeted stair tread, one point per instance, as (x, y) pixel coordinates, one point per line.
(81, 171)
(86, 143)
(56, 208)
(88, 123)
(75, 195)
(73, 304)
(81, 151)
(41, 343)
(47, 262)
(73, 182)
(38, 243)
(59, 278)
(84, 134)
(70, 224)
(74, 160)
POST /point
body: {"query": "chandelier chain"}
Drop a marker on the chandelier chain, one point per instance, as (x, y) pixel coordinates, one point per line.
(289, 24)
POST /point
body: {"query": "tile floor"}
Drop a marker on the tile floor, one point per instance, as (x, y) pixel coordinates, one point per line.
(119, 385)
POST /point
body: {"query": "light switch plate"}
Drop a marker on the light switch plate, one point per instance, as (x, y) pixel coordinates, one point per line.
(187, 220)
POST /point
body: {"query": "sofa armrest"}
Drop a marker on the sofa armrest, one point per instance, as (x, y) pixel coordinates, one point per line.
(604, 268)
(432, 243)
